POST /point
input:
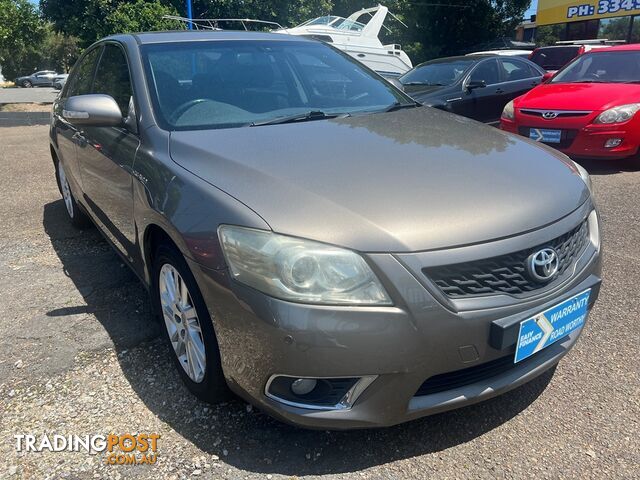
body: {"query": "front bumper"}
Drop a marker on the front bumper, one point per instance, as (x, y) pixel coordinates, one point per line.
(418, 338)
(582, 139)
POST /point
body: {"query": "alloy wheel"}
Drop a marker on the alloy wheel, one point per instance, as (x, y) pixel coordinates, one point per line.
(66, 191)
(182, 323)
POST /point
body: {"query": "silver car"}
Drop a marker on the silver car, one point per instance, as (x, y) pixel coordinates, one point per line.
(43, 78)
(313, 239)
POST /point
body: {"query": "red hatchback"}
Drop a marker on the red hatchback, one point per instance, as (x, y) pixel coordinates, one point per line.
(588, 109)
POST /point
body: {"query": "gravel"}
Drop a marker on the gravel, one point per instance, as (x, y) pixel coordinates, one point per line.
(79, 354)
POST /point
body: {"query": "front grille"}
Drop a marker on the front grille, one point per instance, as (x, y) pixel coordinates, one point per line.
(566, 139)
(559, 113)
(506, 273)
(467, 376)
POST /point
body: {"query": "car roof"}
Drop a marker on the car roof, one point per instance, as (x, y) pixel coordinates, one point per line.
(570, 45)
(504, 52)
(178, 36)
(632, 47)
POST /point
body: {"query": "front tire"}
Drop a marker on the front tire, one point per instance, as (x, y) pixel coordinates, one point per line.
(27, 84)
(187, 325)
(76, 216)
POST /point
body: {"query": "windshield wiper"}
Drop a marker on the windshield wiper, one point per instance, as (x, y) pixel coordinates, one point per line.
(426, 84)
(300, 117)
(399, 106)
(589, 81)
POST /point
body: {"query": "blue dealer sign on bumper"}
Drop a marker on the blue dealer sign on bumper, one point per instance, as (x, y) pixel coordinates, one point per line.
(551, 325)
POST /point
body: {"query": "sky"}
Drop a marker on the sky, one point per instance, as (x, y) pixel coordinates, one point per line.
(532, 9)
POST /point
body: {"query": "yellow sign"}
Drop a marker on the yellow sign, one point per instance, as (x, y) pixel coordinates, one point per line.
(563, 11)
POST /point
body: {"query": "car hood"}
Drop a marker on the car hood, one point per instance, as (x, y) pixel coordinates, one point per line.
(579, 96)
(423, 92)
(411, 180)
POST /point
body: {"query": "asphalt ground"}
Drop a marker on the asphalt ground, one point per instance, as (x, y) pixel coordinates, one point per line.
(80, 354)
(28, 95)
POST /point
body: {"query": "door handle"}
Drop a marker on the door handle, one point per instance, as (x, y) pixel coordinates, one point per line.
(79, 139)
(499, 91)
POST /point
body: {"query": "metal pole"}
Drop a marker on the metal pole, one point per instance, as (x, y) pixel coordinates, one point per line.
(189, 15)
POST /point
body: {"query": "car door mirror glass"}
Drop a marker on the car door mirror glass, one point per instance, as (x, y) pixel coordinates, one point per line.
(93, 110)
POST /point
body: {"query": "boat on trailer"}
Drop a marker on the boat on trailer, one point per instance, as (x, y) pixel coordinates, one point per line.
(357, 35)
(359, 38)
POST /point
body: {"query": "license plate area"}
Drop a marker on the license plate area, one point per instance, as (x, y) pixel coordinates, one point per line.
(545, 135)
(554, 324)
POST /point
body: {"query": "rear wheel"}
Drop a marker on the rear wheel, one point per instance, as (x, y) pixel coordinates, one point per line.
(187, 326)
(76, 216)
(27, 84)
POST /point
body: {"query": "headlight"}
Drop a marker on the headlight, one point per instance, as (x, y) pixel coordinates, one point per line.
(508, 113)
(619, 114)
(300, 270)
(585, 175)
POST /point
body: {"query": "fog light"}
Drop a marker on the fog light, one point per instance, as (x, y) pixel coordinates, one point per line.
(612, 142)
(303, 386)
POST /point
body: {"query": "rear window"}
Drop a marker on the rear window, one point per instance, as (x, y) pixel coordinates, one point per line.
(554, 58)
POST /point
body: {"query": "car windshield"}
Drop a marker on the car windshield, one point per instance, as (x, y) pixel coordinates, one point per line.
(226, 84)
(437, 73)
(602, 67)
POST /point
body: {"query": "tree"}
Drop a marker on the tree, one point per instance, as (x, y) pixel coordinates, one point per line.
(549, 34)
(139, 16)
(21, 34)
(454, 28)
(436, 28)
(59, 52)
(286, 12)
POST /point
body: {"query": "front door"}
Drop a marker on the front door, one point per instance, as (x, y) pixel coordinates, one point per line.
(479, 103)
(106, 155)
(67, 134)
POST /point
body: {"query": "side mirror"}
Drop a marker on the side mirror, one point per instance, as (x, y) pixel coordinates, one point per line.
(547, 76)
(93, 110)
(473, 84)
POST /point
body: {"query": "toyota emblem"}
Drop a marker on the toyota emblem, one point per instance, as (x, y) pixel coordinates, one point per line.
(543, 265)
(550, 115)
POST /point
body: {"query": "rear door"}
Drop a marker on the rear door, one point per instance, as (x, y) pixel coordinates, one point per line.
(518, 78)
(106, 155)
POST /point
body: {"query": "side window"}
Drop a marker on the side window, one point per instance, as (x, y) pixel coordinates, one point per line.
(487, 71)
(513, 70)
(112, 77)
(534, 71)
(82, 76)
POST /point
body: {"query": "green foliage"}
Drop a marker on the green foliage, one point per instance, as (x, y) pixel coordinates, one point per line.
(614, 28)
(435, 28)
(59, 52)
(549, 34)
(139, 16)
(21, 34)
